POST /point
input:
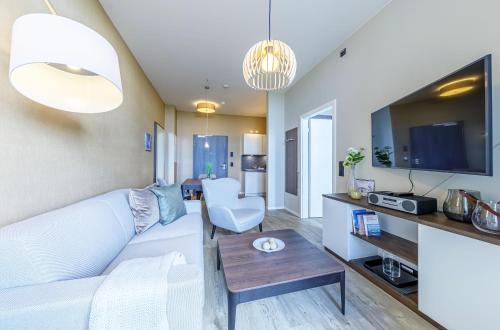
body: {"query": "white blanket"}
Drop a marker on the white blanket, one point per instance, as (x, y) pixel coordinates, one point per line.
(134, 295)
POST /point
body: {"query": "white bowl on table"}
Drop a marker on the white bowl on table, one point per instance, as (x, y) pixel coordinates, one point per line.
(259, 242)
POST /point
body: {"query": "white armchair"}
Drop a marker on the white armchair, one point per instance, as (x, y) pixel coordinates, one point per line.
(227, 211)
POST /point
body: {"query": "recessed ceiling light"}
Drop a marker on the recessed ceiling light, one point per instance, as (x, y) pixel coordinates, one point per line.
(223, 102)
(225, 85)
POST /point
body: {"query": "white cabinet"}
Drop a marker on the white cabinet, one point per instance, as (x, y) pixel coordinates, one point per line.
(255, 183)
(458, 282)
(458, 276)
(337, 226)
(254, 144)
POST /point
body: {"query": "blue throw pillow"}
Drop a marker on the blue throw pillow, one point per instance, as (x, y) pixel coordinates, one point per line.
(170, 201)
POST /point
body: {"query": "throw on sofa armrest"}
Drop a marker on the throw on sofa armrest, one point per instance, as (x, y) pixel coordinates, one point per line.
(55, 305)
(256, 203)
(186, 297)
(193, 206)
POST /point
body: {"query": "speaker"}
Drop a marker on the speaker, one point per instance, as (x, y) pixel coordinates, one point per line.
(404, 202)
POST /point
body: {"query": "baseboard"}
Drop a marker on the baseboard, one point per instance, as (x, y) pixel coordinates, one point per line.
(292, 212)
(275, 207)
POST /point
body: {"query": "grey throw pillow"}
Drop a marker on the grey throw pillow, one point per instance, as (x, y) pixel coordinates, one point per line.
(171, 204)
(144, 206)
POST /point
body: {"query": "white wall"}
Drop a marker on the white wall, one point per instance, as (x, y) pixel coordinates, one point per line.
(320, 164)
(276, 150)
(408, 45)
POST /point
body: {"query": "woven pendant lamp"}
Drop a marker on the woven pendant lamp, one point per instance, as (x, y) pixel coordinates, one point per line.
(270, 64)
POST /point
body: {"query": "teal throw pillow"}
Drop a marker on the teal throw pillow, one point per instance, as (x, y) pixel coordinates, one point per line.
(170, 201)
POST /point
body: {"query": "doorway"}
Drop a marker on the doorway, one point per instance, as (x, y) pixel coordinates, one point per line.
(317, 159)
(159, 144)
(210, 153)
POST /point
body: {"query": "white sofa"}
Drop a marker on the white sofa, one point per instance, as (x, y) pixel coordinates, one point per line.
(52, 264)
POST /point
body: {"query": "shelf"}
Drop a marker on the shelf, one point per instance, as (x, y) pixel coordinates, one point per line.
(410, 300)
(396, 245)
(437, 220)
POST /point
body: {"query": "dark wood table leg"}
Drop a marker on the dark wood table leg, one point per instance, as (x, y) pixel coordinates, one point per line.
(218, 257)
(342, 291)
(232, 303)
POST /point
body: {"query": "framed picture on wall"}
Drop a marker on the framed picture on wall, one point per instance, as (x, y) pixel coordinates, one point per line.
(147, 141)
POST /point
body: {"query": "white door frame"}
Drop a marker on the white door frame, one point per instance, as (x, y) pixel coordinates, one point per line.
(304, 154)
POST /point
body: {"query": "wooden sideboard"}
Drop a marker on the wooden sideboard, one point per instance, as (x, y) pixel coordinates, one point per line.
(458, 265)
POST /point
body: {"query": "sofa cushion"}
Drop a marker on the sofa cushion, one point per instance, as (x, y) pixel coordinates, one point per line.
(189, 245)
(76, 241)
(189, 224)
(56, 305)
(144, 207)
(170, 202)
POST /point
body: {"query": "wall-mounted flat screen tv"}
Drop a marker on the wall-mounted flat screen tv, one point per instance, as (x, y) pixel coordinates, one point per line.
(445, 126)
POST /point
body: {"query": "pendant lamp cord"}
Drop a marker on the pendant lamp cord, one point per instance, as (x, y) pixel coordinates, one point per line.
(206, 121)
(51, 7)
(269, 32)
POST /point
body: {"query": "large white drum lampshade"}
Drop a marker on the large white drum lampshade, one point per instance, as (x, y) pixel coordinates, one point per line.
(64, 64)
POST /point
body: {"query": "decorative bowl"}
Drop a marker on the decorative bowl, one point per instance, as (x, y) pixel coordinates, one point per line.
(486, 217)
(260, 241)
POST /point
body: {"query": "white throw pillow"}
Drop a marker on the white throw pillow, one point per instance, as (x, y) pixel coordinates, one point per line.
(144, 206)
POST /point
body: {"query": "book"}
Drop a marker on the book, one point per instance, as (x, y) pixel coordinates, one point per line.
(372, 225)
(358, 226)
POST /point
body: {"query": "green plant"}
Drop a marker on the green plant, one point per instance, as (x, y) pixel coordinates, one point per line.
(354, 156)
(209, 169)
(384, 155)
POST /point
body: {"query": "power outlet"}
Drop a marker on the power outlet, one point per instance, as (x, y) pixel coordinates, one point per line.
(341, 168)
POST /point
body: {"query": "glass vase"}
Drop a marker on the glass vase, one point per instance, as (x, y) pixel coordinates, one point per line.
(352, 186)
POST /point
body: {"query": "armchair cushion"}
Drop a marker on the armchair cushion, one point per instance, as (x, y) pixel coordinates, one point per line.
(246, 219)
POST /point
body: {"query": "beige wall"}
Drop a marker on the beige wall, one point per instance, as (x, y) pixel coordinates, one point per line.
(407, 46)
(190, 123)
(50, 158)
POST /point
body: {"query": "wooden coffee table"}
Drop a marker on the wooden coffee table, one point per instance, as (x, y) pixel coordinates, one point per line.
(251, 274)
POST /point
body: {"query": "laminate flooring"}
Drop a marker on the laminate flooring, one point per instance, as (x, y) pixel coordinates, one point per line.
(367, 306)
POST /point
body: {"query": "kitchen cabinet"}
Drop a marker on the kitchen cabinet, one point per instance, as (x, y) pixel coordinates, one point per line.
(255, 183)
(254, 144)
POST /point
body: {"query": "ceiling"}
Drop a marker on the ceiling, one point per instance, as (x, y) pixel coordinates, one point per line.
(180, 44)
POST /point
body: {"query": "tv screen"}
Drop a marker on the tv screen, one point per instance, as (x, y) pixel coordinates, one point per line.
(445, 126)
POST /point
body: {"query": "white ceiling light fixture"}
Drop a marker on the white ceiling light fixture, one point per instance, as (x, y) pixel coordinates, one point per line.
(205, 107)
(270, 64)
(64, 64)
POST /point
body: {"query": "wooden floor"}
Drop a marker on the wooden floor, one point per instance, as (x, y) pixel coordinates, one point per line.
(367, 306)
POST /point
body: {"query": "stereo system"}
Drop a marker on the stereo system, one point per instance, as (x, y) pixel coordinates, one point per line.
(406, 202)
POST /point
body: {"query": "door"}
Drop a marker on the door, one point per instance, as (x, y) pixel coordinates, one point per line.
(291, 167)
(210, 151)
(159, 152)
(320, 163)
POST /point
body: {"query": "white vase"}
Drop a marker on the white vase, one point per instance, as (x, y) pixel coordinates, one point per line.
(352, 186)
